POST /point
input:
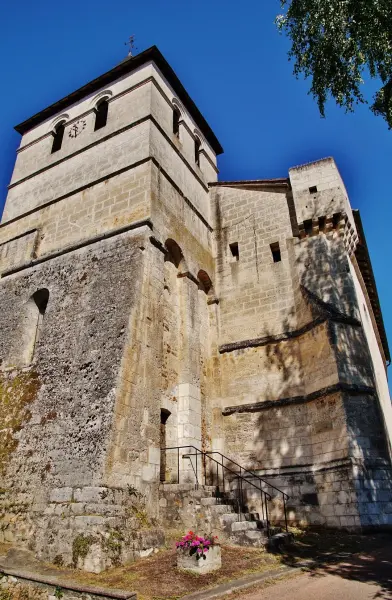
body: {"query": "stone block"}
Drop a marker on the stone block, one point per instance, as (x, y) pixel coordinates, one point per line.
(189, 390)
(61, 494)
(87, 521)
(90, 494)
(347, 522)
(149, 473)
(183, 403)
(154, 455)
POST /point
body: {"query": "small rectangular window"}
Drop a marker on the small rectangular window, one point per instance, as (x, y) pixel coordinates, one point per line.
(308, 225)
(275, 251)
(235, 250)
(322, 222)
(313, 189)
(336, 217)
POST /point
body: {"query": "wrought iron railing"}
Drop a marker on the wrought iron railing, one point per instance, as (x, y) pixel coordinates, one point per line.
(253, 475)
(219, 473)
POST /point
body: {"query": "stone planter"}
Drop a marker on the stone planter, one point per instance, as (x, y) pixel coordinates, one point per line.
(212, 562)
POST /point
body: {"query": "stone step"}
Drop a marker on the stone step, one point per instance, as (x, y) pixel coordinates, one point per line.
(221, 509)
(229, 518)
(246, 525)
(256, 538)
(187, 487)
(211, 500)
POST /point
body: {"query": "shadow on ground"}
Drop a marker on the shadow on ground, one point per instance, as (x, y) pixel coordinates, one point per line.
(364, 558)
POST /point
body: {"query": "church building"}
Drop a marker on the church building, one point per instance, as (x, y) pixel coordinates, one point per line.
(177, 350)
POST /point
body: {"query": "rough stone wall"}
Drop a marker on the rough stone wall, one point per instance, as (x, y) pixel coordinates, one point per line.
(58, 477)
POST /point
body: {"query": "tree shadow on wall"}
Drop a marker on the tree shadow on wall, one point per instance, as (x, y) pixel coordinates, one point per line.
(301, 432)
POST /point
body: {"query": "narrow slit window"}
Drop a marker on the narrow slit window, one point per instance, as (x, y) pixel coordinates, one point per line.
(308, 225)
(197, 151)
(235, 253)
(336, 219)
(58, 137)
(275, 251)
(33, 321)
(176, 122)
(165, 414)
(322, 222)
(41, 299)
(313, 189)
(101, 114)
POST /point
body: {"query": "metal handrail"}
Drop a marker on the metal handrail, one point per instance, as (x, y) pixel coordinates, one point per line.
(250, 472)
(265, 496)
(285, 496)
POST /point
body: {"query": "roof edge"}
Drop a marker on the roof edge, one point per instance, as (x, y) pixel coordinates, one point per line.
(127, 66)
(283, 181)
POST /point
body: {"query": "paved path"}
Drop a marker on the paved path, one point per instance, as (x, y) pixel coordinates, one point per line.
(364, 577)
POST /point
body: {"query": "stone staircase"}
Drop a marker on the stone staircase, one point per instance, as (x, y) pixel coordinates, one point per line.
(182, 506)
(241, 528)
(220, 509)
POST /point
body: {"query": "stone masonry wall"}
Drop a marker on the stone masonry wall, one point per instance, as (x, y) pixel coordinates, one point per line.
(297, 392)
(80, 170)
(252, 285)
(60, 435)
(113, 203)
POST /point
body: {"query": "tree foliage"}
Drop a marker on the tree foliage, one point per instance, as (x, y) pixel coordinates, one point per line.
(336, 43)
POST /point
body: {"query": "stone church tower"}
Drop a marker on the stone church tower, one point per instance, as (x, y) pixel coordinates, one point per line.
(145, 305)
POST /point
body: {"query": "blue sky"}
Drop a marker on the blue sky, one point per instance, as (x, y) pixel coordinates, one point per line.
(233, 63)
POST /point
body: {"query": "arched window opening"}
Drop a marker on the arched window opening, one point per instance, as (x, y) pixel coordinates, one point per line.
(176, 121)
(58, 135)
(174, 254)
(165, 414)
(41, 299)
(205, 282)
(101, 114)
(33, 323)
(197, 151)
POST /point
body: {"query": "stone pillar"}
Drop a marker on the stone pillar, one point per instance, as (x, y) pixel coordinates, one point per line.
(189, 407)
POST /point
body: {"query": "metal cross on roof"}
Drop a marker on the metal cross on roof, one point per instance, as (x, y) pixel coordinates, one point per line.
(131, 44)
